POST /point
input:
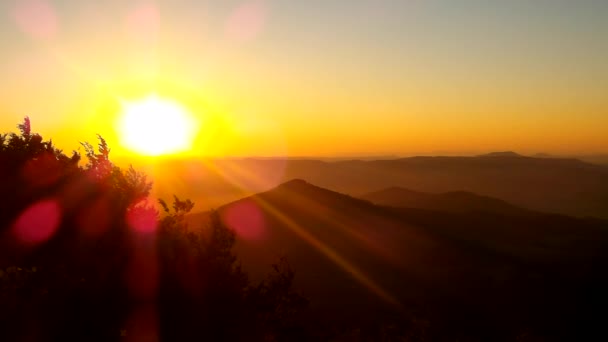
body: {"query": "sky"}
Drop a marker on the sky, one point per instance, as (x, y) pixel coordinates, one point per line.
(315, 77)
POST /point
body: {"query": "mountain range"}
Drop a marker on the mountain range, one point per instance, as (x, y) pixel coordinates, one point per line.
(463, 268)
(564, 186)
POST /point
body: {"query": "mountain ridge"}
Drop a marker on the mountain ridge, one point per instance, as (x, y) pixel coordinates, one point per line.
(389, 258)
(564, 186)
(451, 201)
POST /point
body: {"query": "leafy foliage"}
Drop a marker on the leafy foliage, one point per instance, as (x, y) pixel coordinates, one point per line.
(115, 268)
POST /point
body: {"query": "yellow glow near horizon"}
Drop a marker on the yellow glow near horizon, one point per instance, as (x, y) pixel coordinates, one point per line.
(155, 126)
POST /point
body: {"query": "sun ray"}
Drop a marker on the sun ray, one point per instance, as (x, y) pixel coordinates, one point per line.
(326, 250)
(331, 254)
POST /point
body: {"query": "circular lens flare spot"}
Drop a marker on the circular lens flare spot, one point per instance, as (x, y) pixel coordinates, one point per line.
(38, 222)
(246, 219)
(143, 23)
(155, 126)
(142, 219)
(247, 21)
(37, 18)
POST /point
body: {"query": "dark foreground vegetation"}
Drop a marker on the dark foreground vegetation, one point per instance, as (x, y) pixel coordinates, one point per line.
(84, 256)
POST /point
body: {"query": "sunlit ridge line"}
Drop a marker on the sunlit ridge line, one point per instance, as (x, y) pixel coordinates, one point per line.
(359, 237)
(330, 253)
(326, 250)
(342, 227)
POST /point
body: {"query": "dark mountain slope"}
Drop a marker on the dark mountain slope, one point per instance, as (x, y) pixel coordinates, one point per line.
(478, 273)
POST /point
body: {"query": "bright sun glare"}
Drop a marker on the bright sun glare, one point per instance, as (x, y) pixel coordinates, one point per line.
(155, 126)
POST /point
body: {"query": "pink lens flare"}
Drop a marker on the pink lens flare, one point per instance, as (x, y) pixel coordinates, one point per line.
(38, 223)
(36, 18)
(143, 23)
(142, 219)
(247, 21)
(246, 219)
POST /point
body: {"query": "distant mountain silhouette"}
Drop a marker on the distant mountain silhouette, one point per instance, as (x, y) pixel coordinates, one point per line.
(597, 159)
(355, 259)
(501, 154)
(560, 185)
(454, 201)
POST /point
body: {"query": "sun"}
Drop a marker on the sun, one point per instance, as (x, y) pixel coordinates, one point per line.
(155, 126)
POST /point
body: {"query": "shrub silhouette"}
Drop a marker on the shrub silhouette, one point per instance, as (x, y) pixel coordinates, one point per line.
(109, 266)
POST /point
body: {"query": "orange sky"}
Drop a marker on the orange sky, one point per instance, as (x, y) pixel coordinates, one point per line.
(311, 78)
